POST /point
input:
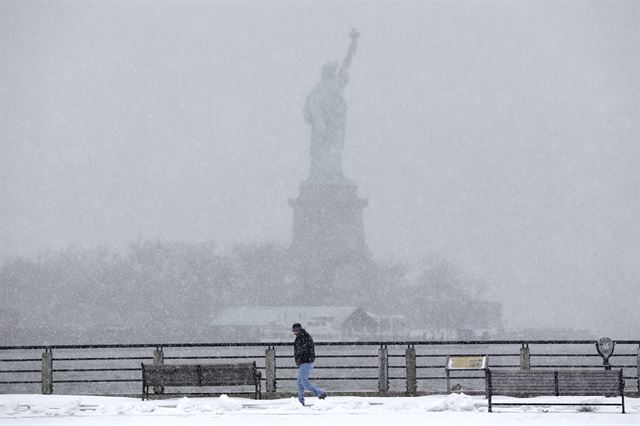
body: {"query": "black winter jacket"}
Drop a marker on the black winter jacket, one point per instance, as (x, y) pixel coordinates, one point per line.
(303, 350)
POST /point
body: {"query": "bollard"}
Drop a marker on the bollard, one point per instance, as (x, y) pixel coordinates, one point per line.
(525, 357)
(412, 377)
(383, 370)
(270, 369)
(158, 359)
(47, 372)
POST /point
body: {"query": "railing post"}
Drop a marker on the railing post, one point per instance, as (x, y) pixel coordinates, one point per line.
(383, 370)
(638, 367)
(412, 377)
(270, 369)
(47, 372)
(525, 357)
(158, 359)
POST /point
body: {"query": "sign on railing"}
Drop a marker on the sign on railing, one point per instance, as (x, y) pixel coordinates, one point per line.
(464, 363)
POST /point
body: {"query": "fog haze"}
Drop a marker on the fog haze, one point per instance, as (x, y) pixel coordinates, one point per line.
(502, 136)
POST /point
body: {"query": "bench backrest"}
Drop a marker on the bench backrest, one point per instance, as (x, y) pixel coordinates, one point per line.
(561, 382)
(591, 382)
(170, 375)
(522, 383)
(199, 375)
(228, 374)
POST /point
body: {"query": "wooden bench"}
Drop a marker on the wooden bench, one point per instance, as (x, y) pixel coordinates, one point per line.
(245, 374)
(527, 383)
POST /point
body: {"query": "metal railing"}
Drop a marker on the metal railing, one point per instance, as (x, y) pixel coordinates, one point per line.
(355, 368)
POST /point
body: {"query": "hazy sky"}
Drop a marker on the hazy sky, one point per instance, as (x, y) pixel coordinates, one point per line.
(503, 136)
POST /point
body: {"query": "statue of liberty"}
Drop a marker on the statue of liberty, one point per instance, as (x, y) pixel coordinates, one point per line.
(326, 111)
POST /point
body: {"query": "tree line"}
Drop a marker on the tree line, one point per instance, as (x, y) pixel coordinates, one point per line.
(160, 291)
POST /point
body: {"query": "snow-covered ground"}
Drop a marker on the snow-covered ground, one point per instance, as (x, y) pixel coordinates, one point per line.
(456, 409)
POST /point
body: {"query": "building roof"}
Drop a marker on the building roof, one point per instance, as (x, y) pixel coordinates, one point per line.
(282, 315)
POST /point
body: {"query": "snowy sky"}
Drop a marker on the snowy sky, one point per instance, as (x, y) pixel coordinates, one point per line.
(503, 136)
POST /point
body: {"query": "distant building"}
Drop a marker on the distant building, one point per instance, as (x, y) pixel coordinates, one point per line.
(325, 323)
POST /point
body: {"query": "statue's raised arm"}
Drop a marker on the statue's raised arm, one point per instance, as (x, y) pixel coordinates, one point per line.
(344, 68)
(326, 111)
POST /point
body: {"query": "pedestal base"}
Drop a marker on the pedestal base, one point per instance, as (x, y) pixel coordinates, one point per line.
(328, 237)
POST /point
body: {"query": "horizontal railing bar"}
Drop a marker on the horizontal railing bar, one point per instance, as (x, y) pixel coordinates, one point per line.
(338, 367)
(322, 367)
(366, 343)
(281, 356)
(333, 368)
(442, 367)
(459, 354)
(434, 367)
(445, 378)
(66, 370)
(98, 381)
(567, 355)
(336, 356)
(583, 355)
(216, 357)
(287, 356)
(20, 383)
(376, 378)
(120, 380)
(579, 366)
(102, 358)
(330, 378)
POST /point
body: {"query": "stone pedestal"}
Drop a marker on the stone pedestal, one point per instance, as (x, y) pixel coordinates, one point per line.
(328, 235)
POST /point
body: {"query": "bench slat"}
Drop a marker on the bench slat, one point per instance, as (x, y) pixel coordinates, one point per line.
(170, 375)
(589, 382)
(523, 383)
(218, 375)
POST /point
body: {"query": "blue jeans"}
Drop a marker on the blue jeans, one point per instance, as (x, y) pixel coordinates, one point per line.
(303, 381)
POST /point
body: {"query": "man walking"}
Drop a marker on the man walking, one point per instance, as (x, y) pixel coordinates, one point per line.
(304, 354)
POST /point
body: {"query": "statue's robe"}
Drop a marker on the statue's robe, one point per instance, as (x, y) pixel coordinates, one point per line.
(326, 111)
